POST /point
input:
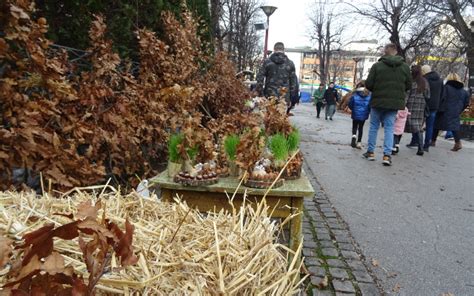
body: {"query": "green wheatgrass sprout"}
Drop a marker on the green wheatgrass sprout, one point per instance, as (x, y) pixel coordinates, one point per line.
(230, 146)
(293, 140)
(173, 143)
(192, 152)
(279, 147)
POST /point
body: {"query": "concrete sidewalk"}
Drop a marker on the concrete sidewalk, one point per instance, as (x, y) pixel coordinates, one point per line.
(414, 221)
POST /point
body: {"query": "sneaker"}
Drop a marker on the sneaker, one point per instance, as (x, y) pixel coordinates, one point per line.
(330, 118)
(326, 118)
(396, 149)
(353, 141)
(369, 156)
(359, 145)
(387, 160)
(412, 145)
(426, 149)
(420, 152)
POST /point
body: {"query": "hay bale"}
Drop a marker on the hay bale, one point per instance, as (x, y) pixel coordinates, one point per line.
(180, 250)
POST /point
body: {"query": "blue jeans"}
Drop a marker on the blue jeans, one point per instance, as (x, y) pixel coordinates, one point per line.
(387, 117)
(430, 121)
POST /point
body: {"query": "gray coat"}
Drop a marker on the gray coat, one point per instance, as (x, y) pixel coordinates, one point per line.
(416, 103)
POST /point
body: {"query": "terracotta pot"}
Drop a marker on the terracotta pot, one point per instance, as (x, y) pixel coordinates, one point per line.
(174, 168)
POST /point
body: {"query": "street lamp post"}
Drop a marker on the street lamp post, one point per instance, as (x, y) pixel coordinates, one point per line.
(356, 60)
(268, 10)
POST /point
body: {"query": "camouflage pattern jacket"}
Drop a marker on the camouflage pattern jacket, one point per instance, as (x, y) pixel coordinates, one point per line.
(276, 72)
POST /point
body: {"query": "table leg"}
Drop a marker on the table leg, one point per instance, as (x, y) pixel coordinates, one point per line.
(296, 226)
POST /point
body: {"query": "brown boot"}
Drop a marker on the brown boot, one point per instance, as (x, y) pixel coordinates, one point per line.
(457, 146)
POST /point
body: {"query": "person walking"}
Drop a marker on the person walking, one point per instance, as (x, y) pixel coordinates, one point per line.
(436, 90)
(330, 98)
(277, 76)
(359, 105)
(399, 128)
(453, 102)
(388, 80)
(318, 98)
(418, 96)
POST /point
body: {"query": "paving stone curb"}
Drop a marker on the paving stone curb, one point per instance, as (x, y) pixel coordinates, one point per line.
(330, 250)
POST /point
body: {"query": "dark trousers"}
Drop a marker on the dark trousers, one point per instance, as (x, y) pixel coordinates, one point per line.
(396, 139)
(319, 106)
(358, 125)
(456, 135)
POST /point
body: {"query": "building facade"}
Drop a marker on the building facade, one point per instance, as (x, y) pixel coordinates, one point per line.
(346, 66)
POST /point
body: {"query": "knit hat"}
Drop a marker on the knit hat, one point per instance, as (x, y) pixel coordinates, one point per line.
(425, 69)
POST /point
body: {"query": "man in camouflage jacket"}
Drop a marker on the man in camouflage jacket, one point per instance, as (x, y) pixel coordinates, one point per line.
(277, 72)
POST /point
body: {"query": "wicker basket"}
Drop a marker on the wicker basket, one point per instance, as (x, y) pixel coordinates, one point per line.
(263, 184)
(194, 182)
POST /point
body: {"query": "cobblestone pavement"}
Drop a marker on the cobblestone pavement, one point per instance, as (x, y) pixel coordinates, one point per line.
(412, 220)
(330, 251)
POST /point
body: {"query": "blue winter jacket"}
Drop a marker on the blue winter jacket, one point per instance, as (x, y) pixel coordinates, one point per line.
(359, 104)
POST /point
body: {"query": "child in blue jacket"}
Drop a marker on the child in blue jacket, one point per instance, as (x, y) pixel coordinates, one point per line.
(359, 104)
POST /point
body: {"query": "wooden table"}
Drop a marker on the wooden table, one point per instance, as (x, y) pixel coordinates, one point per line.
(284, 201)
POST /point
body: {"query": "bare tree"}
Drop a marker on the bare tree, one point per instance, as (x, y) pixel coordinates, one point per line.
(451, 12)
(408, 23)
(233, 29)
(326, 33)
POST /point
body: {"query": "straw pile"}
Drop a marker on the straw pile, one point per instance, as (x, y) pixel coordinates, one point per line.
(180, 251)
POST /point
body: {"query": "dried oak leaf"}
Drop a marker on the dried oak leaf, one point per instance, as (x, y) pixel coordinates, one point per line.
(26, 271)
(90, 226)
(86, 209)
(54, 263)
(5, 250)
(124, 246)
(40, 241)
(323, 283)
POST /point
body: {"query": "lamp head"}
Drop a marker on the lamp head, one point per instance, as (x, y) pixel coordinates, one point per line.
(268, 10)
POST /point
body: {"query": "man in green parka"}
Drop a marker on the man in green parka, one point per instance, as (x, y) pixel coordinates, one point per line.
(318, 98)
(389, 79)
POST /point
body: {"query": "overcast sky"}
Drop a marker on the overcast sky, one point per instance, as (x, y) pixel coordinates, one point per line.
(290, 22)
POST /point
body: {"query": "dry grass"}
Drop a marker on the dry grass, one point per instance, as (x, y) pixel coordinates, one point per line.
(181, 252)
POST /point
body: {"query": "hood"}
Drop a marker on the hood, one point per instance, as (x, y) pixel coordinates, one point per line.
(455, 84)
(432, 76)
(362, 91)
(392, 61)
(278, 57)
